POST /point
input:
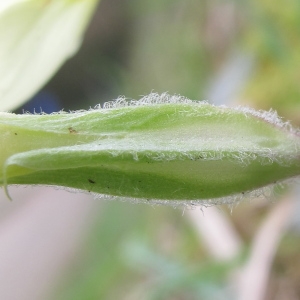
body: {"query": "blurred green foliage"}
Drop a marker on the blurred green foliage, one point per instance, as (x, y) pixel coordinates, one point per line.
(143, 252)
(272, 34)
(167, 52)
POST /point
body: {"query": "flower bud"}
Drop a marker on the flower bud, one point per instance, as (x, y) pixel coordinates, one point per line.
(161, 147)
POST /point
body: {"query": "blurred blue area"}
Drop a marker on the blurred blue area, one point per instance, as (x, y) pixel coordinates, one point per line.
(44, 101)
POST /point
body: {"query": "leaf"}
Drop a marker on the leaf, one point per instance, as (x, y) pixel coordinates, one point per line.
(161, 147)
(36, 37)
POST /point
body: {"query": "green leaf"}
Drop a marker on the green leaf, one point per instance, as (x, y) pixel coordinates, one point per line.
(36, 37)
(161, 147)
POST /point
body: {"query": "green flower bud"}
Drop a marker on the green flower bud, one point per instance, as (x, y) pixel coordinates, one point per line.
(161, 147)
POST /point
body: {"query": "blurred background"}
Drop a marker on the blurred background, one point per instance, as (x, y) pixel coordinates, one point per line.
(59, 245)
